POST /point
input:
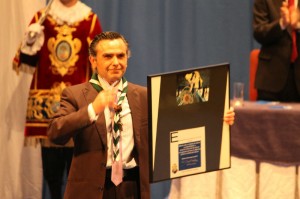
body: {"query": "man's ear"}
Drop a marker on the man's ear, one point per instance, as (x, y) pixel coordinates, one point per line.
(93, 61)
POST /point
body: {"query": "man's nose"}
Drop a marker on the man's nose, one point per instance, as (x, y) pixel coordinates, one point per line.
(115, 61)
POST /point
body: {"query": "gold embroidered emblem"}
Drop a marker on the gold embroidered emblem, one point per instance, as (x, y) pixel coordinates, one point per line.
(43, 103)
(64, 51)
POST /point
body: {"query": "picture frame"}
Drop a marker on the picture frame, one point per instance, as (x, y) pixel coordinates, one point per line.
(187, 134)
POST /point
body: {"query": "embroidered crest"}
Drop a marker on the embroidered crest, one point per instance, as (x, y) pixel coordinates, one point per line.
(43, 103)
(64, 51)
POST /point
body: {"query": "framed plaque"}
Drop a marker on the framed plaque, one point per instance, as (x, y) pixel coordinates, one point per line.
(187, 134)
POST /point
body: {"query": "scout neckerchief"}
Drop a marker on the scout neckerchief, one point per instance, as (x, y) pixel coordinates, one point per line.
(117, 170)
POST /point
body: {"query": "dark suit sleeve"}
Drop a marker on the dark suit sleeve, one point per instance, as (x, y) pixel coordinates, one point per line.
(70, 118)
(266, 27)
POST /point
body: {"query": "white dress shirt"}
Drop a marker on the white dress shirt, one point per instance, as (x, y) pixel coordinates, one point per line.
(127, 133)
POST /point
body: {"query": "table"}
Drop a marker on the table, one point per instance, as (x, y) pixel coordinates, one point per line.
(267, 132)
(265, 149)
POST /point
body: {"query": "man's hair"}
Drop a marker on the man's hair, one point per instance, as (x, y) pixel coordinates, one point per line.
(106, 36)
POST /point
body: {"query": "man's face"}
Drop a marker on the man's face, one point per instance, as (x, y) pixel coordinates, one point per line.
(111, 59)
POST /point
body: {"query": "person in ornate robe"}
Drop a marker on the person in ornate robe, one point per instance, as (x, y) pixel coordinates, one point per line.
(55, 51)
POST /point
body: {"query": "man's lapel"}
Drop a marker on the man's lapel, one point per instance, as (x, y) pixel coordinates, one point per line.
(133, 100)
(90, 94)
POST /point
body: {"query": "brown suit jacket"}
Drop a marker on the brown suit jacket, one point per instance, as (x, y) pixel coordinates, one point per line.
(276, 47)
(87, 173)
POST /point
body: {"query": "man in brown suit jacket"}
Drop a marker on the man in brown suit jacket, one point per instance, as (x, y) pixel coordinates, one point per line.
(86, 114)
(90, 171)
(278, 75)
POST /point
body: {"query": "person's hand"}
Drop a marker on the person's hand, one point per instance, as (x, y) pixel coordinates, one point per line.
(229, 116)
(33, 31)
(294, 17)
(105, 98)
(33, 40)
(285, 19)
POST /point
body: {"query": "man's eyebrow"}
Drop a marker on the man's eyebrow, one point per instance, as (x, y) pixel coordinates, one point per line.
(105, 54)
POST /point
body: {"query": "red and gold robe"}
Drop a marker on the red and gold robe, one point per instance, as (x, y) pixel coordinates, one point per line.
(62, 61)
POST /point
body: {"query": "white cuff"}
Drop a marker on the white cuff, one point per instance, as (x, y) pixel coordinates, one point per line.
(298, 26)
(27, 68)
(92, 115)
